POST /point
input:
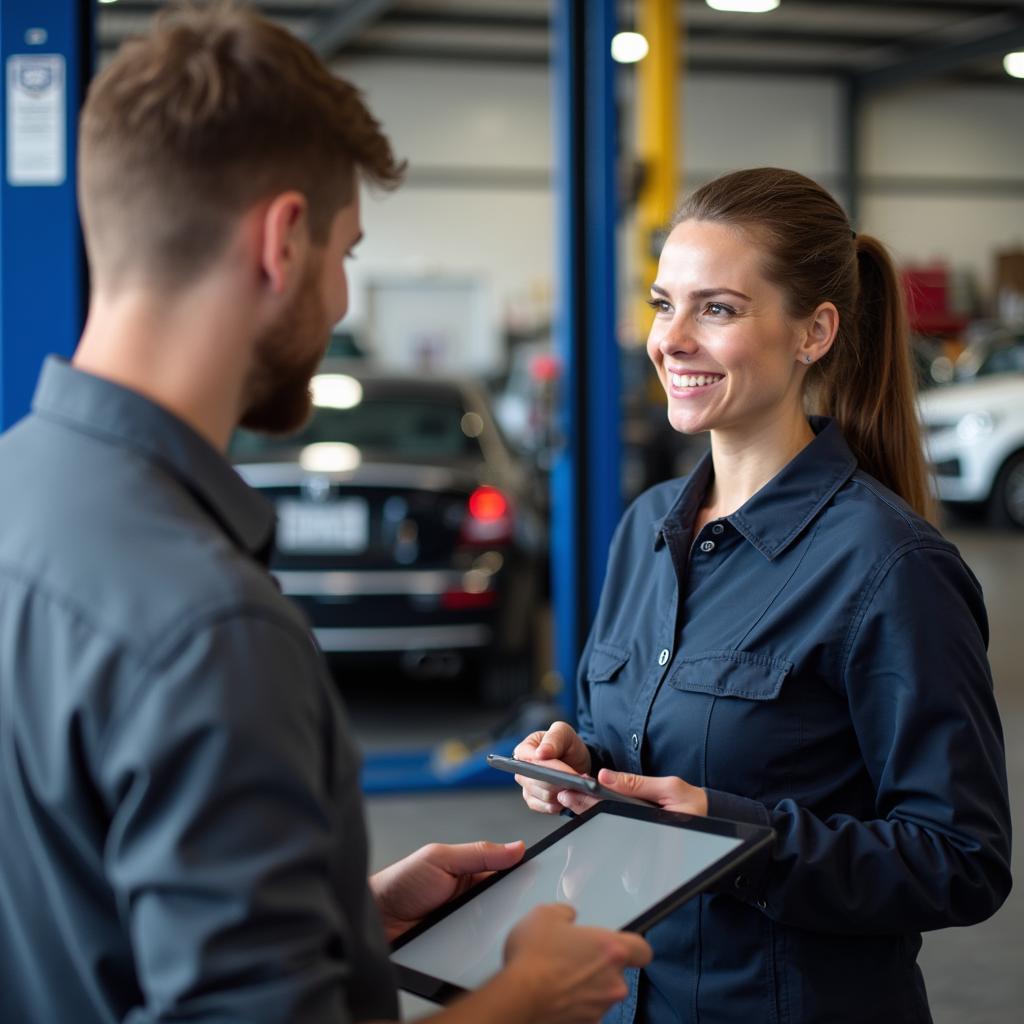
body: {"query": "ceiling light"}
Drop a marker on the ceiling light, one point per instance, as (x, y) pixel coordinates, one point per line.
(629, 47)
(108, 1)
(743, 6)
(1014, 64)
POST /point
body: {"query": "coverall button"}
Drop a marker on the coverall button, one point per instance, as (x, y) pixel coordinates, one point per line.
(707, 546)
(635, 740)
(663, 657)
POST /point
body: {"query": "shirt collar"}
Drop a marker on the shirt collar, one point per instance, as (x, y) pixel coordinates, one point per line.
(781, 510)
(124, 417)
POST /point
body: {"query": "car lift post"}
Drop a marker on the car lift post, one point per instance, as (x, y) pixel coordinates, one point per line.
(586, 498)
(47, 57)
(585, 480)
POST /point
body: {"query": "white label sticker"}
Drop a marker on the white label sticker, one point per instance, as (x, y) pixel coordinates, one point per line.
(36, 119)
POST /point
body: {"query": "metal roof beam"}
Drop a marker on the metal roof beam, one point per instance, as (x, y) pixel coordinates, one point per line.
(943, 59)
(332, 34)
(268, 10)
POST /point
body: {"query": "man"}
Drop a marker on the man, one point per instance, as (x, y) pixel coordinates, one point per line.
(183, 831)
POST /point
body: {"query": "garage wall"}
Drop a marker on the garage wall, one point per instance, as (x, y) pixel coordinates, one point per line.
(761, 121)
(944, 173)
(478, 198)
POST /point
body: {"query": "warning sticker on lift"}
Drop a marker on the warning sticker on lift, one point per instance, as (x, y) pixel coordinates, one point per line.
(36, 119)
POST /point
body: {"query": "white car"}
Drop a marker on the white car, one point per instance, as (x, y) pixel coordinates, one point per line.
(975, 441)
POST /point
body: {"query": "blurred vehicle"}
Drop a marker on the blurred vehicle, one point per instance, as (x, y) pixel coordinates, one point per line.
(523, 404)
(1000, 351)
(975, 440)
(407, 530)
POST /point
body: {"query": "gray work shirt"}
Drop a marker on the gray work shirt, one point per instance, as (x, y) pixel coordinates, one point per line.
(183, 833)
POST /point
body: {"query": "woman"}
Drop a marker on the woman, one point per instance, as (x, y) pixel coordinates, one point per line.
(784, 639)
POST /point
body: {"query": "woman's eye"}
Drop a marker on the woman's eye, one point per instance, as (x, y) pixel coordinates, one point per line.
(717, 309)
(659, 305)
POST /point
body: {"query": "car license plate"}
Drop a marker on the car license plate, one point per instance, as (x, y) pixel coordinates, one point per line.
(336, 526)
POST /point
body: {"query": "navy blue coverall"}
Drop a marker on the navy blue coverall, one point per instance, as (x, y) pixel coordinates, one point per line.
(816, 661)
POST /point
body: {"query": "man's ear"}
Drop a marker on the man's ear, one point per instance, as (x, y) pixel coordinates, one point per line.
(285, 241)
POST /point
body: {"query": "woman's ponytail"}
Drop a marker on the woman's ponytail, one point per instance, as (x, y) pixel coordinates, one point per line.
(867, 383)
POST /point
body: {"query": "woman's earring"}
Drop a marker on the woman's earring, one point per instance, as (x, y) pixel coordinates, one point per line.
(808, 360)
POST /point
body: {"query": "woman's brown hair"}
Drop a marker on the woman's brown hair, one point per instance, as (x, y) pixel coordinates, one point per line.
(866, 381)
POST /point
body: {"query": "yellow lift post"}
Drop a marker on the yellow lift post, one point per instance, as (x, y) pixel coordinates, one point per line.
(658, 89)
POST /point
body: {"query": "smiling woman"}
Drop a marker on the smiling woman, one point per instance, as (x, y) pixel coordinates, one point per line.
(784, 639)
(805, 313)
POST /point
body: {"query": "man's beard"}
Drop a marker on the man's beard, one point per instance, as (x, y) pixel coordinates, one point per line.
(286, 356)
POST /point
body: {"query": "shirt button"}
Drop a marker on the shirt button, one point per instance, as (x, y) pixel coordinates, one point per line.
(663, 657)
(718, 529)
(741, 882)
(761, 905)
(635, 740)
(707, 546)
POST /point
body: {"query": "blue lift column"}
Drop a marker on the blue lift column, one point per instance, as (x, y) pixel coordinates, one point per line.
(585, 488)
(46, 48)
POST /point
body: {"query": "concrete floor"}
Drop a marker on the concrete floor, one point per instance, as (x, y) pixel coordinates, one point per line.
(974, 975)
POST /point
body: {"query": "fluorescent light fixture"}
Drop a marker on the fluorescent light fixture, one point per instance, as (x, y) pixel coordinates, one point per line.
(336, 391)
(629, 47)
(1013, 64)
(743, 6)
(330, 457)
(108, 1)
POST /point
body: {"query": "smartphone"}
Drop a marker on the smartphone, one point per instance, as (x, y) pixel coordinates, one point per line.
(564, 780)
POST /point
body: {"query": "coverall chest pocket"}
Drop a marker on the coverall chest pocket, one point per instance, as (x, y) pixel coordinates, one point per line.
(609, 694)
(606, 662)
(752, 731)
(731, 674)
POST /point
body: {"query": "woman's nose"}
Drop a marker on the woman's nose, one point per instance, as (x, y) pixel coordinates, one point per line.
(678, 338)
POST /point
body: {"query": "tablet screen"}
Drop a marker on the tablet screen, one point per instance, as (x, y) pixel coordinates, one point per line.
(612, 869)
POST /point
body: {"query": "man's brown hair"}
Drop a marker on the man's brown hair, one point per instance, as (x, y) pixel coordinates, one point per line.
(192, 124)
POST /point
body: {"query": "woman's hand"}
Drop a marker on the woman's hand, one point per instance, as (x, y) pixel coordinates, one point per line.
(667, 792)
(559, 747)
(406, 891)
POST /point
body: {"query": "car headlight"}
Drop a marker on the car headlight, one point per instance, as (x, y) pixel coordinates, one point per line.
(975, 425)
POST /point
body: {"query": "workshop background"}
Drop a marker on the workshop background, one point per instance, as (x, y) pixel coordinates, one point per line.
(466, 366)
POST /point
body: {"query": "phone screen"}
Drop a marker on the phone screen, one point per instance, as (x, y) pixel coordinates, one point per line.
(611, 870)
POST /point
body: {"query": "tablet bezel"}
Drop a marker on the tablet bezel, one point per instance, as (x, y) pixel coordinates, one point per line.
(753, 838)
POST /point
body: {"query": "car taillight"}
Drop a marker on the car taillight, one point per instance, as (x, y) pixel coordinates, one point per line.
(464, 600)
(488, 517)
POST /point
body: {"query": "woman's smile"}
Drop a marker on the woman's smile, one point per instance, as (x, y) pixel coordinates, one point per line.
(689, 385)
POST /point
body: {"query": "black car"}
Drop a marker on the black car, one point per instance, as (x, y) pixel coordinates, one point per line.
(407, 529)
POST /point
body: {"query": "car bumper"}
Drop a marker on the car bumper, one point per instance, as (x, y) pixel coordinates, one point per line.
(965, 470)
(393, 611)
(388, 639)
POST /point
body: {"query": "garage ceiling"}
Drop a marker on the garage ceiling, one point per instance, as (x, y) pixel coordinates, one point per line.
(878, 42)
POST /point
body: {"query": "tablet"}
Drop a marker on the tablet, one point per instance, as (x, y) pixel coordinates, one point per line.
(619, 865)
(578, 783)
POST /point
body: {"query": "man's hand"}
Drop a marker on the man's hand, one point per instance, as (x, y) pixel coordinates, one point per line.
(576, 972)
(555, 747)
(667, 792)
(408, 890)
